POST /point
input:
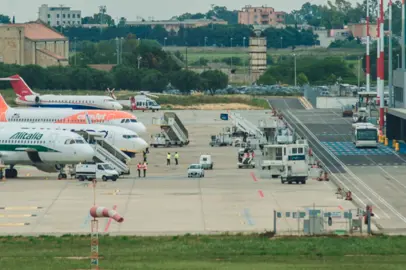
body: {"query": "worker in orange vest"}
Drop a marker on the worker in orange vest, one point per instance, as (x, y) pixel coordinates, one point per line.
(139, 167)
(144, 166)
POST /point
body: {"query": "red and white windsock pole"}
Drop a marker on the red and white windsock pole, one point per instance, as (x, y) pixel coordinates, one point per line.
(378, 53)
(403, 34)
(367, 59)
(382, 68)
(98, 211)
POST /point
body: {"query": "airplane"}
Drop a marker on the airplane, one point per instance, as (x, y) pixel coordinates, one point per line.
(47, 150)
(126, 140)
(27, 97)
(141, 102)
(69, 116)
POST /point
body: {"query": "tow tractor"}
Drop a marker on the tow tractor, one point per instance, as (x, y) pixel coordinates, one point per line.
(246, 158)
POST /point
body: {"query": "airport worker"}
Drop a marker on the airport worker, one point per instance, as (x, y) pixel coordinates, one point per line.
(145, 156)
(168, 159)
(144, 167)
(139, 167)
(176, 158)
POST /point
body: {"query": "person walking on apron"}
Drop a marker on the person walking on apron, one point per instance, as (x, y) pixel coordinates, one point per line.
(144, 167)
(139, 167)
(168, 159)
(176, 158)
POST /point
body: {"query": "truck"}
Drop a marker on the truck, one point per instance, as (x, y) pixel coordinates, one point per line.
(206, 162)
(295, 164)
(93, 171)
(246, 158)
(273, 159)
(223, 139)
(173, 132)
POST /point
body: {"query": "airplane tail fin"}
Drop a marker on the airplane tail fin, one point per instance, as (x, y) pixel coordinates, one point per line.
(20, 86)
(3, 104)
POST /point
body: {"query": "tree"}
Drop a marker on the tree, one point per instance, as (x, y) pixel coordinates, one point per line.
(122, 22)
(4, 19)
(266, 79)
(185, 80)
(153, 80)
(97, 18)
(213, 80)
(302, 79)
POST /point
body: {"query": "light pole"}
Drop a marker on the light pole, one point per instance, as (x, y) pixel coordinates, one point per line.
(359, 70)
(294, 57)
(165, 41)
(75, 48)
(139, 61)
(243, 42)
(398, 61)
(121, 50)
(281, 42)
(205, 42)
(231, 63)
(118, 50)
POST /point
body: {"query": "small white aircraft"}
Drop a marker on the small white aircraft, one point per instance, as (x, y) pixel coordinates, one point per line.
(47, 150)
(69, 116)
(126, 140)
(27, 97)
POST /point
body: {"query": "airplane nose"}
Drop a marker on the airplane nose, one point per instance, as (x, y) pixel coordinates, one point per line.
(140, 144)
(118, 106)
(142, 128)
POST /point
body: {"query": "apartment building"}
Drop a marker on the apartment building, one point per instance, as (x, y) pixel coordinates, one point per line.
(56, 16)
(261, 16)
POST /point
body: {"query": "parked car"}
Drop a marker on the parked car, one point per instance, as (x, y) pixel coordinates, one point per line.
(347, 111)
(195, 170)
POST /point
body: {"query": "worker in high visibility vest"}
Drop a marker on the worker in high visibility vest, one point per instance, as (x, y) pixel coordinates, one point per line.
(139, 167)
(145, 167)
(168, 159)
(176, 158)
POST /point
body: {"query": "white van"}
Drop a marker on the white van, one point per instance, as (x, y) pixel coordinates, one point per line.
(89, 172)
(206, 162)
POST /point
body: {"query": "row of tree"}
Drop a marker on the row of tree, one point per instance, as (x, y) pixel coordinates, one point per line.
(309, 70)
(120, 77)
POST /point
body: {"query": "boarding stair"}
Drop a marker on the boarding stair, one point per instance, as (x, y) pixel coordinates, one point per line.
(172, 128)
(246, 126)
(106, 152)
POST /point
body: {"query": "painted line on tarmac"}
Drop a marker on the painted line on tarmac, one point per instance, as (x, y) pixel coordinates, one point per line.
(21, 208)
(248, 218)
(260, 193)
(254, 177)
(110, 219)
(17, 216)
(341, 208)
(13, 224)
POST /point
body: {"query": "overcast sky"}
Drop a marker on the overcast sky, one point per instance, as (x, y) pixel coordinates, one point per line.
(26, 10)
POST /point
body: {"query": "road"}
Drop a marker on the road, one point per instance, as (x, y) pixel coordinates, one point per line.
(375, 176)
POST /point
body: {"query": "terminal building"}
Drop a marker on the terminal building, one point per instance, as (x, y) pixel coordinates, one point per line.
(396, 117)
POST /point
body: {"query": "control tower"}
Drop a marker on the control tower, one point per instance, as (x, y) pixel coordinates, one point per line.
(257, 52)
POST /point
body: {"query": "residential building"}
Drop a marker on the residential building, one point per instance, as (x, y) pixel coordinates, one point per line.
(56, 16)
(261, 15)
(359, 30)
(175, 25)
(33, 43)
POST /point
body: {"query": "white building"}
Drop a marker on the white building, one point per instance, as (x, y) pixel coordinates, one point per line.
(55, 16)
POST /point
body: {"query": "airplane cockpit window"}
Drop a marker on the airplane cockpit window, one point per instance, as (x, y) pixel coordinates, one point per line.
(80, 141)
(70, 141)
(133, 121)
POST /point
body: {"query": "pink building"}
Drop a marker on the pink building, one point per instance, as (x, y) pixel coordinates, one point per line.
(261, 15)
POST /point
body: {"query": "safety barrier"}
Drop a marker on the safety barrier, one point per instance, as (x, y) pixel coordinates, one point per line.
(319, 221)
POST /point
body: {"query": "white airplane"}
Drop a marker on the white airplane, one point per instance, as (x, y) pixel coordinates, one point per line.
(47, 150)
(69, 116)
(126, 140)
(27, 97)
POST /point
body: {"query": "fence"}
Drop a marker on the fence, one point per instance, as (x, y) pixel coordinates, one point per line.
(320, 221)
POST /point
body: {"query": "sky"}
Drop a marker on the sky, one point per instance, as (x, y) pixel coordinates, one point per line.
(27, 10)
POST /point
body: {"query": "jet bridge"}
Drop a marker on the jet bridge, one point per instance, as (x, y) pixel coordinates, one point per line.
(106, 152)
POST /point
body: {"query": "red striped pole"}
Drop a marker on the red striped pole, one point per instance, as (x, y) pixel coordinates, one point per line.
(382, 70)
(378, 52)
(367, 60)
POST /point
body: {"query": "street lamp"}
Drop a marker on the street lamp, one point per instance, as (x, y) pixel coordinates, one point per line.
(205, 41)
(294, 57)
(398, 61)
(121, 49)
(359, 70)
(281, 42)
(76, 52)
(165, 41)
(139, 61)
(243, 41)
(118, 51)
(231, 63)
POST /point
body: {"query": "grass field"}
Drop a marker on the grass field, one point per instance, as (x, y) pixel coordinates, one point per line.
(204, 252)
(166, 101)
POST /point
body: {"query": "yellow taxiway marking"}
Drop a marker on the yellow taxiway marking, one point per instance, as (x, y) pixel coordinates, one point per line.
(13, 224)
(17, 216)
(21, 208)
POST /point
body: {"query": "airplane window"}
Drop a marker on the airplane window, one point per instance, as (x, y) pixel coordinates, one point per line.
(69, 141)
(80, 141)
(133, 121)
(129, 136)
(122, 120)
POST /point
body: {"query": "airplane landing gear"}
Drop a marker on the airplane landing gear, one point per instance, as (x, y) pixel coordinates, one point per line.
(11, 173)
(62, 174)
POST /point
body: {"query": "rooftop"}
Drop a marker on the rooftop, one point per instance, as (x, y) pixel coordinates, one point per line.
(38, 31)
